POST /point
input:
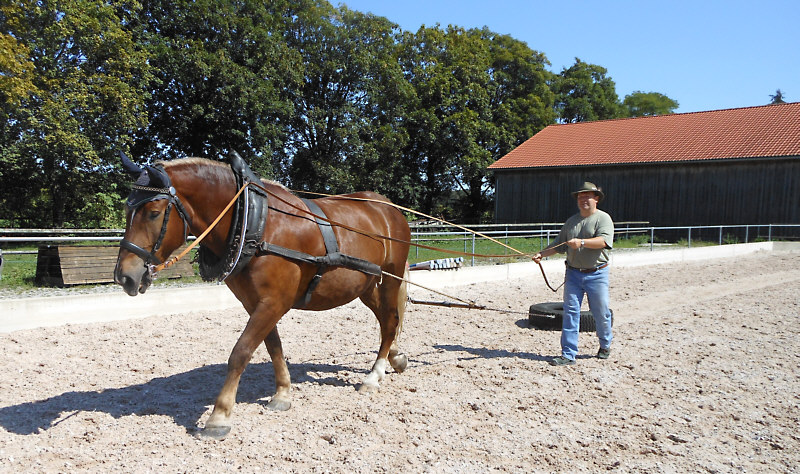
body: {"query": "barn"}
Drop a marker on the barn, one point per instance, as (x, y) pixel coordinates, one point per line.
(721, 167)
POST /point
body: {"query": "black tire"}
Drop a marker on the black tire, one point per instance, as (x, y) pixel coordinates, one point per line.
(550, 316)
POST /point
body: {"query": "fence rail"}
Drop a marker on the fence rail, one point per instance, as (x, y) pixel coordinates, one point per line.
(545, 232)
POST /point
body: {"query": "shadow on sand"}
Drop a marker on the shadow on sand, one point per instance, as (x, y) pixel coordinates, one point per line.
(183, 396)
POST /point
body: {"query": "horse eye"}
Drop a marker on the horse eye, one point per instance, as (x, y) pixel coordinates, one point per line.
(154, 214)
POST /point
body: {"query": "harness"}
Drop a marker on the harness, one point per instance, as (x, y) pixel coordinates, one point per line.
(247, 227)
(141, 194)
(245, 237)
(332, 257)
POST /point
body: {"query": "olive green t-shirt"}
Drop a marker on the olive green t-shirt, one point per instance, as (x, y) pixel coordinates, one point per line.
(598, 224)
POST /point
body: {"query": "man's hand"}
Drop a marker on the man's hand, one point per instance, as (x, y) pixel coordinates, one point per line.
(574, 243)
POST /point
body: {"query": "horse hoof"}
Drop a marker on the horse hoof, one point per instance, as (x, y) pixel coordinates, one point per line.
(214, 432)
(367, 388)
(279, 404)
(399, 363)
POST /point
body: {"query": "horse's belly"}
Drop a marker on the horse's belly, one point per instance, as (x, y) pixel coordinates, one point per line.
(339, 287)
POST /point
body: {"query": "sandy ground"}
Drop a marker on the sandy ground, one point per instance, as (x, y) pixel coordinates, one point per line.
(704, 376)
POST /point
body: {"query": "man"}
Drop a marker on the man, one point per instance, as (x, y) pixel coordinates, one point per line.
(587, 238)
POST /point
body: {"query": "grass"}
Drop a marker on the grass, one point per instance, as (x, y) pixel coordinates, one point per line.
(19, 270)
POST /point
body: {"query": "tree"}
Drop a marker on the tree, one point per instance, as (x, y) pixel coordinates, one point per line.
(345, 127)
(72, 85)
(584, 93)
(777, 98)
(445, 69)
(222, 72)
(477, 96)
(520, 103)
(641, 104)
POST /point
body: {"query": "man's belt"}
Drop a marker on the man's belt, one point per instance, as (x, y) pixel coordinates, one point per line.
(588, 270)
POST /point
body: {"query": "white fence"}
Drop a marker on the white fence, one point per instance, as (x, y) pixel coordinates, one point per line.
(545, 232)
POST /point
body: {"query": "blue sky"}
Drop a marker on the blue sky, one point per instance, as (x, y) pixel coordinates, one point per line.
(707, 55)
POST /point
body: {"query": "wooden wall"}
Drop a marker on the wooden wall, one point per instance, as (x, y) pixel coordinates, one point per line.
(755, 191)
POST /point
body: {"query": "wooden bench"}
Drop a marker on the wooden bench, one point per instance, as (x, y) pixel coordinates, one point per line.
(66, 265)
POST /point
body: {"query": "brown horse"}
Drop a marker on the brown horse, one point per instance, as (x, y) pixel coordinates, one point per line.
(270, 284)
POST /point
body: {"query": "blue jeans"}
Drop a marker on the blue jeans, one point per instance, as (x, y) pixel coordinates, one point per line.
(595, 286)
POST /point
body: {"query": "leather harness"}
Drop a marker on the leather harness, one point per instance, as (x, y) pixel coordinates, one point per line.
(245, 239)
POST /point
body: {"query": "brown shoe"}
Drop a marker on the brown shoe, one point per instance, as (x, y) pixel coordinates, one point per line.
(603, 353)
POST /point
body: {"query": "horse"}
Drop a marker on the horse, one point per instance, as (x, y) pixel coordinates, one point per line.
(269, 282)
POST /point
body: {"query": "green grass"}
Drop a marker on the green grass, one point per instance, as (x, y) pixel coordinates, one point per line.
(487, 247)
(19, 270)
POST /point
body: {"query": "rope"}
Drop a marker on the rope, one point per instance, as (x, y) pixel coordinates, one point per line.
(468, 304)
(455, 252)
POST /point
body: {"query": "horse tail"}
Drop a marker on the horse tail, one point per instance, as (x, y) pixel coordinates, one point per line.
(402, 299)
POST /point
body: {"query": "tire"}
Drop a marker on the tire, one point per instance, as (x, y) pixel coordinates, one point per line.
(550, 316)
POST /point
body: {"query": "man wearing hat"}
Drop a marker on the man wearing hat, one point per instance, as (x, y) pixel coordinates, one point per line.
(587, 238)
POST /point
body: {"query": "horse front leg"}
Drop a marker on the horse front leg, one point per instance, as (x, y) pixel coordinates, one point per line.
(261, 324)
(281, 401)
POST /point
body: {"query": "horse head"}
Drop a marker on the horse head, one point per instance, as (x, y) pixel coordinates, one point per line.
(150, 235)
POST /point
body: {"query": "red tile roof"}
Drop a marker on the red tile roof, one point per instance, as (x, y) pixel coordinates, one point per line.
(766, 131)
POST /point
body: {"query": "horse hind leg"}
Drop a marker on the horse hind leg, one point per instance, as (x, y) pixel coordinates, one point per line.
(398, 360)
(387, 301)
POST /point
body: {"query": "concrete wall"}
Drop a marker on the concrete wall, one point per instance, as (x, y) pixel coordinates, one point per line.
(27, 313)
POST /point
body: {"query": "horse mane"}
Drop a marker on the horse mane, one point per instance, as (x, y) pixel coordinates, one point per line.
(205, 162)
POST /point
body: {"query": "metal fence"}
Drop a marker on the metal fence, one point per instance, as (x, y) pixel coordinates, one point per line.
(12, 239)
(547, 232)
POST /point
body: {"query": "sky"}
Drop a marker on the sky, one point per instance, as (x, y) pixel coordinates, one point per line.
(707, 55)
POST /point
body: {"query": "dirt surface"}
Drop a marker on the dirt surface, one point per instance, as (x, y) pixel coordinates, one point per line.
(704, 376)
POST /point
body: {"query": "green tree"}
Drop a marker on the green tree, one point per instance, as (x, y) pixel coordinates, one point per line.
(444, 67)
(222, 71)
(584, 93)
(478, 95)
(345, 127)
(641, 104)
(72, 84)
(520, 103)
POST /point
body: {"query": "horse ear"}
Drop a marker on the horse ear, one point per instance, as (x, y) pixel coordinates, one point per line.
(158, 178)
(130, 167)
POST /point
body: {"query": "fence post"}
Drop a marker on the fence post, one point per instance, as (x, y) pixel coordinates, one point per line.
(473, 248)
(652, 237)
(541, 232)
(769, 233)
(689, 245)
(746, 233)
(720, 235)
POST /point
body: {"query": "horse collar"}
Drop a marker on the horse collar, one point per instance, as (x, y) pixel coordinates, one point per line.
(247, 230)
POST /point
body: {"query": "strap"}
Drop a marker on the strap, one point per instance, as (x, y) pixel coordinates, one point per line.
(333, 260)
(331, 244)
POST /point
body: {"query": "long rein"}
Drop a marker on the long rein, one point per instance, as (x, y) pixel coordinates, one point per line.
(465, 304)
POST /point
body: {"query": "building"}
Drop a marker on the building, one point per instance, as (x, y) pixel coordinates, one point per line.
(722, 167)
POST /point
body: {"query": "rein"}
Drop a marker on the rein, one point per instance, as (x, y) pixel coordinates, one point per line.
(171, 261)
(161, 266)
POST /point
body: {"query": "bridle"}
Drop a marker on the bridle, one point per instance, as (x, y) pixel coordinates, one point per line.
(148, 194)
